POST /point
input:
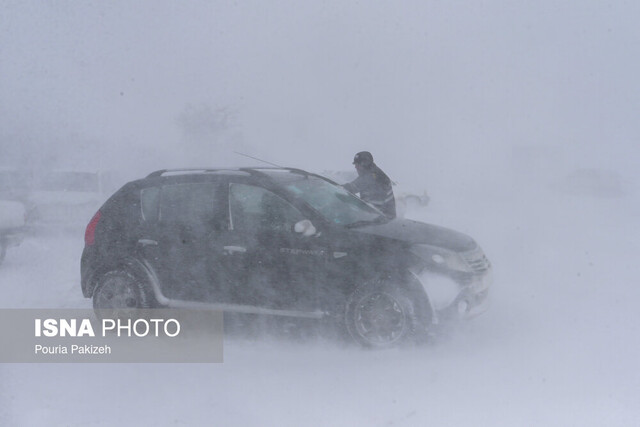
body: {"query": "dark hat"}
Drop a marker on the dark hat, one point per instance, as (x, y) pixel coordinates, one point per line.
(363, 158)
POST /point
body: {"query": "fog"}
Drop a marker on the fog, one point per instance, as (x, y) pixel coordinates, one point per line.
(518, 118)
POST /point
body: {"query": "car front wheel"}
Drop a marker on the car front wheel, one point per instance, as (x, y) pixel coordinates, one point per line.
(380, 315)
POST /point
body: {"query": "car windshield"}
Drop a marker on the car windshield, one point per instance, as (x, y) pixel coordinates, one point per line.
(333, 202)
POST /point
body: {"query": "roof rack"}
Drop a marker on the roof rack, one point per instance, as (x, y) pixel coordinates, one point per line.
(261, 169)
(251, 170)
(186, 171)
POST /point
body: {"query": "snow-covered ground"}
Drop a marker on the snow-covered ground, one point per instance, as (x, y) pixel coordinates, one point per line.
(559, 346)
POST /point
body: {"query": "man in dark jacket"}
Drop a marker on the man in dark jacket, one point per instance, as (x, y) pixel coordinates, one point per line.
(373, 184)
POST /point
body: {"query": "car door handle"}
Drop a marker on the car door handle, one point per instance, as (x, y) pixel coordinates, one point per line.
(232, 249)
(147, 242)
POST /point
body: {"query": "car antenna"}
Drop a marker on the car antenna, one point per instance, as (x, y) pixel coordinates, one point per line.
(260, 160)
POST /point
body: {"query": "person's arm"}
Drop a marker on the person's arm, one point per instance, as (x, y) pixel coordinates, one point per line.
(353, 186)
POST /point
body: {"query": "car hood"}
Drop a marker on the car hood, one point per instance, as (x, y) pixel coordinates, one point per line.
(414, 232)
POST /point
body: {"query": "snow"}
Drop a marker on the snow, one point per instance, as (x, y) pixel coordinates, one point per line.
(497, 111)
(557, 347)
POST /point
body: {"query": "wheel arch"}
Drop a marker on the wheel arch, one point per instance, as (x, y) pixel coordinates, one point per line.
(400, 285)
(408, 282)
(139, 268)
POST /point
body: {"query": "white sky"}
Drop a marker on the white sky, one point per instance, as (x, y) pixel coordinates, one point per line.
(432, 87)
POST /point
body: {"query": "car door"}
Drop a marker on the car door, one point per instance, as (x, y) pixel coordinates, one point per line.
(181, 226)
(278, 264)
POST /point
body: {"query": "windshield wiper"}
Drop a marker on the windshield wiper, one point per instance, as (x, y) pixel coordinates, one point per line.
(379, 220)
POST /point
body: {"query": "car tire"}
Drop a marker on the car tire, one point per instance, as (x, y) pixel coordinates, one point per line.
(380, 314)
(120, 290)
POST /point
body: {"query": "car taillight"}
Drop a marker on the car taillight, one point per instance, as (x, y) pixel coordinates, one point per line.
(90, 232)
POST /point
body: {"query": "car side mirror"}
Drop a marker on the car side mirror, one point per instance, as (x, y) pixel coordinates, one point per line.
(305, 227)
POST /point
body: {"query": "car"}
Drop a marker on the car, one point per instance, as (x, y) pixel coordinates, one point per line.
(279, 242)
(407, 198)
(15, 184)
(593, 182)
(12, 225)
(68, 198)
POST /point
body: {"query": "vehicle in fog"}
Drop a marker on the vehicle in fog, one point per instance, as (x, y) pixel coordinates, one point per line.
(69, 197)
(12, 225)
(15, 184)
(593, 182)
(279, 242)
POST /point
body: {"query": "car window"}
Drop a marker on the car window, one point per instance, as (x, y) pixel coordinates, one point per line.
(255, 208)
(193, 203)
(149, 202)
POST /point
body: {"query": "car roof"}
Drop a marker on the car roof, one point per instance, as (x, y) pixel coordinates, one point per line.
(274, 172)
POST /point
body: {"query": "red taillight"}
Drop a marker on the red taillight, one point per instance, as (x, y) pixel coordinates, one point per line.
(90, 232)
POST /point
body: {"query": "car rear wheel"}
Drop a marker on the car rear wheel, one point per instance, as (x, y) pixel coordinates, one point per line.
(121, 291)
(380, 315)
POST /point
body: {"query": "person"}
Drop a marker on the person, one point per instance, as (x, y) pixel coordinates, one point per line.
(373, 184)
